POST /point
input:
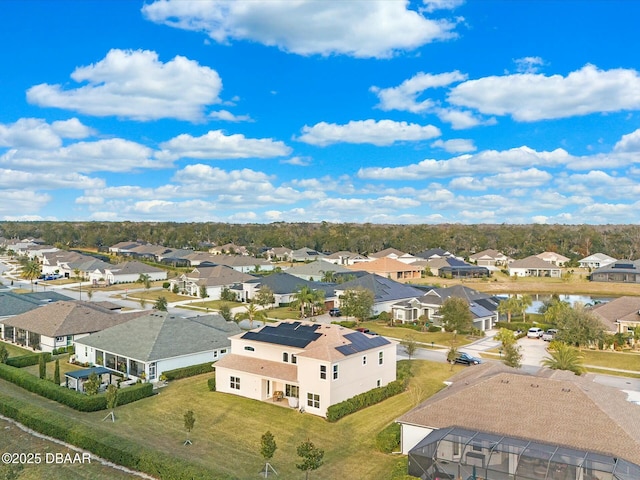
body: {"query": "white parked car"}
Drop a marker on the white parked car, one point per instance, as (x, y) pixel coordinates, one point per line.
(535, 332)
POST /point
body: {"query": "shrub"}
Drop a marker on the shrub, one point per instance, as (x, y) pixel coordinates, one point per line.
(28, 359)
(166, 285)
(188, 371)
(388, 439)
(71, 398)
(211, 383)
(346, 324)
(105, 445)
(363, 400)
(434, 328)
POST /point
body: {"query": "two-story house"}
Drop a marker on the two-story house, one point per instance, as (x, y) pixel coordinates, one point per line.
(309, 365)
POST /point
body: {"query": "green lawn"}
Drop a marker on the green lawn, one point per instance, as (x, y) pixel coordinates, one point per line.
(210, 304)
(15, 440)
(15, 351)
(621, 360)
(227, 431)
(65, 367)
(443, 339)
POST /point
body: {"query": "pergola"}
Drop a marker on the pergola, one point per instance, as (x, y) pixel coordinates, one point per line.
(76, 378)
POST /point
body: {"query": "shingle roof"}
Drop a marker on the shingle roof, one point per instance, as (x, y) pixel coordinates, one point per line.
(283, 283)
(386, 252)
(316, 269)
(623, 308)
(15, 304)
(551, 406)
(533, 262)
(68, 318)
(159, 335)
(384, 289)
(128, 268)
(217, 275)
(257, 366)
(384, 265)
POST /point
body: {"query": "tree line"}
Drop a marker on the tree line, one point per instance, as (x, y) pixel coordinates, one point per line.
(517, 241)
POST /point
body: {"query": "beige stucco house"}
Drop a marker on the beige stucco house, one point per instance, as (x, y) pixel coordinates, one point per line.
(310, 366)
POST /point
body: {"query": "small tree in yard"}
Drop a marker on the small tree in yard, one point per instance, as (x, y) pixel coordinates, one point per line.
(267, 450)
(56, 372)
(161, 304)
(203, 292)
(92, 385)
(311, 457)
(42, 367)
(4, 354)
(512, 356)
(456, 315)
(225, 311)
(112, 401)
(452, 354)
(189, 422)
(410, 345)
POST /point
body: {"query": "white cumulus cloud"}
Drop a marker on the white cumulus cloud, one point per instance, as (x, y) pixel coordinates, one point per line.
(365, 29)
(380, 133)
(215, 145)
(136, 85)
(456, 145)
(530, 97)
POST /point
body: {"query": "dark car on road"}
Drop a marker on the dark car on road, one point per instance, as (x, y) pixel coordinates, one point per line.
(335, 312)
(466, 359)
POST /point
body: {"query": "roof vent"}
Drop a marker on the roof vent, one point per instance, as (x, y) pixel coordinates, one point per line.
(566, 389)
(504, 381)
(535, 385)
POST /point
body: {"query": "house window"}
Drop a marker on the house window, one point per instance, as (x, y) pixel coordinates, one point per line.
(335, 372)
(378, 383)
(364, 360)
(60, 339)
(380, 358)
(249, 349)
(294, 358)
(235, 383)
(313, 400)
(152, 371)
(215, 354)
(291, 391)
(323, 372)
(223, 351)
(285, 357)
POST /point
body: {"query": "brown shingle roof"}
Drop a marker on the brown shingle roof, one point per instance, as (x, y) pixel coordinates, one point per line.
(69, 318)
(258, 366)
(622, 308)
(553, 406)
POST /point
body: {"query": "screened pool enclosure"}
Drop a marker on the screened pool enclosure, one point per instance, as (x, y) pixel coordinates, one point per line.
(455, 453)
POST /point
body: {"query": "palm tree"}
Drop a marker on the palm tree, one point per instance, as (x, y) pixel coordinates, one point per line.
(564, 357)
(524, 301)
(251, 313)
(507, 307)
(76, 272)
(328, 276)
(303, 297)
(30, 271)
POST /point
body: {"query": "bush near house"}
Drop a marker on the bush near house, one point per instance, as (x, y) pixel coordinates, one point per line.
(110, 447)
(388, 439)
(185, 372)
(211, 383)
(71, 398)
(28, 360)
(363, 400)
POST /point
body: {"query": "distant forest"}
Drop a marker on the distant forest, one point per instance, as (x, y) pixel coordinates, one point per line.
(517, 241)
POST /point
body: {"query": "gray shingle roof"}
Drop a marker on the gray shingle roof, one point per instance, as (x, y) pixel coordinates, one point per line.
(160, 335)
(384, 289)
(15, 304)
(551, 406)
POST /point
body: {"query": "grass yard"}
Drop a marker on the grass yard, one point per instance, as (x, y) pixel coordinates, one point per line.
(152, 295)
(443, 339)
(15, 440)
(15, 351)
(213, 305)
(227, 431)
(620, 360)
(65, 367)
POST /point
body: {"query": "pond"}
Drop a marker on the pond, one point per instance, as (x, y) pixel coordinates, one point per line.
(539, 299)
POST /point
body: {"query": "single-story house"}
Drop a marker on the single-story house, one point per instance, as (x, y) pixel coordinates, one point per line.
(483, 307)
(316, 271)
(551, 425)
(622, 271)
(433, 253)
(533, 267)
(126, 272)
(596, 260)
(390, 268)
(553, 258)
(12, 304)
(214, 278)
(490, 258)
(284, 287)
(621, 315)
(60, 324)
(386, 292)
(309, 365)
(344, 257)
(157, 342)
(393, 253)
(230, 249)
(304, 254)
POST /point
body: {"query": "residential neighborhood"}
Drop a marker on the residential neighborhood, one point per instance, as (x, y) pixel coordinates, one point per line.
(317, 359)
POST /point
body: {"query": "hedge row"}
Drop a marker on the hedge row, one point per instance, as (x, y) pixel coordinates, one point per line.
(363, 400)
(105, 445)
(62, 350)
(28, 359)
(522, 326)
(71, 398)
(388, 439)
(188, 371)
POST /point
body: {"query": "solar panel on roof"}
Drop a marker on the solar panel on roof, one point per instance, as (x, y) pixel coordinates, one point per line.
(624, 265)
(290, 334)
(360, 343)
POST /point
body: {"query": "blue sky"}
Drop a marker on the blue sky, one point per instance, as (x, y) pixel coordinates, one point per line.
(342, 111)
